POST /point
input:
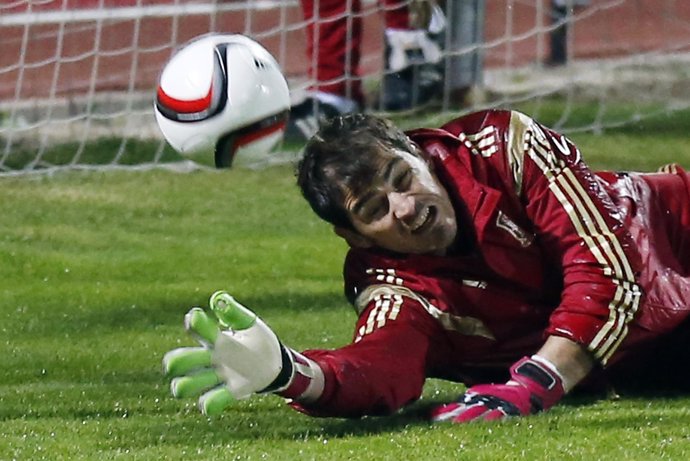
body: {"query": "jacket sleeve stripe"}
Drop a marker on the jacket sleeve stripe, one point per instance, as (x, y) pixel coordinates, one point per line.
(386, 307)
(464, 325)
(627, 297)
(585, 216)
(620, 261)
(519, 138)
(596, 228)
(609, 338)
(600, 240)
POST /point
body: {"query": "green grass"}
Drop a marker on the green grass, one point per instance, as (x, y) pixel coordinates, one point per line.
(98, 268)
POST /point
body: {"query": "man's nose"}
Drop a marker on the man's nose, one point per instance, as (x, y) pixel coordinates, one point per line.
(402, 205)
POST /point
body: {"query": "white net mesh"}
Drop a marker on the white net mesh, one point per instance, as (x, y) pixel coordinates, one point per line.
(77, 77)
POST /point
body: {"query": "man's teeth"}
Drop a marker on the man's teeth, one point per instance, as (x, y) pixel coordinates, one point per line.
(421, 219)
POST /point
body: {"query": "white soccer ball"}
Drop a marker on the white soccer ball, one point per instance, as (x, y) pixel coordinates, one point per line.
(222, 95)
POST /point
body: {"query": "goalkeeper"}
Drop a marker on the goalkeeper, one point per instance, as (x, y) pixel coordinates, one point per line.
(484, 252)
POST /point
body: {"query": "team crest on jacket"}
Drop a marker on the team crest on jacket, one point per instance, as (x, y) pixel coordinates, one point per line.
(518, 233)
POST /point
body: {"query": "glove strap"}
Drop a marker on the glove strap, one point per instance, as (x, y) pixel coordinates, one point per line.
(301, 379)
(541, 378)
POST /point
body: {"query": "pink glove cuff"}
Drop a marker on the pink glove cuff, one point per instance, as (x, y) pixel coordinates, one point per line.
(542, 380)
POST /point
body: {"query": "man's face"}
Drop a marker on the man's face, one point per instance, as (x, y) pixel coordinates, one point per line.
(404, 209)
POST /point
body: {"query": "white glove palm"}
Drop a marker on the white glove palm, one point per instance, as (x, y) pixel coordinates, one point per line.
(242, 358)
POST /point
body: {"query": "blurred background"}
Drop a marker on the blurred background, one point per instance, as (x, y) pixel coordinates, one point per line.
(76, 71)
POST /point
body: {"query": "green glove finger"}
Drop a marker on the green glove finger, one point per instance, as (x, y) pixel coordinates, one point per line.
(193, 385)
(181, 361)
(215, 401)
(231, 313)
(201, 325)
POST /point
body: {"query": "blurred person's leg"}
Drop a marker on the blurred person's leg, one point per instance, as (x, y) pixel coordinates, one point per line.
(334, 36)
(562, 15)
(413, 36)
(558, 53)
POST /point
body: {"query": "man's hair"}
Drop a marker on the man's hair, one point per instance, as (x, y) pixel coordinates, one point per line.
(343, 156)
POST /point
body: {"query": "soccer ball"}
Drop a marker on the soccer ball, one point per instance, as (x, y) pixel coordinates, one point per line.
(222, 93)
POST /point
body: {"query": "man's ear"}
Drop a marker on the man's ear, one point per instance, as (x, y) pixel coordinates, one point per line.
(354, 239)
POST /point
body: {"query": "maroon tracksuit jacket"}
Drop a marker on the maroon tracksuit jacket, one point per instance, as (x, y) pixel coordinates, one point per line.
(546, 247)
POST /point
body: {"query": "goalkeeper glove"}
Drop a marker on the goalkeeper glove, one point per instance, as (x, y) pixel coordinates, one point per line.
(239, 356)
(410, 47)
(535, 386)
(420, 44)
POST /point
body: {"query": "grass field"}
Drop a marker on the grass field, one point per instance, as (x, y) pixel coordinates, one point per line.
(98, 268)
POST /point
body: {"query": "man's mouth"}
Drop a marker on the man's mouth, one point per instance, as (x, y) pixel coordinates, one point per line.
(422, 220)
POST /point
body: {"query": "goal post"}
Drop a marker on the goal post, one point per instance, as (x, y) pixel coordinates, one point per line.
(77, 77)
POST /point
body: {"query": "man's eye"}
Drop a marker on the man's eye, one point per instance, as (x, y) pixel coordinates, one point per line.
(402, 181)
(376, 209)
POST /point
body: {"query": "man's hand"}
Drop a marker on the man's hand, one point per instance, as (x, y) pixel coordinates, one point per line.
(239, 356)
(535, 386)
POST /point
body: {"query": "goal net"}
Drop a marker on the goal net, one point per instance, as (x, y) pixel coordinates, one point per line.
(77, 77)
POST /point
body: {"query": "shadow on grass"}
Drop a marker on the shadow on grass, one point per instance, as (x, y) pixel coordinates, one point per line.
(285, 426)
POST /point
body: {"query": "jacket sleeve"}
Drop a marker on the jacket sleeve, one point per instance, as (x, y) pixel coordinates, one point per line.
(578, 226)
(383, 369)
